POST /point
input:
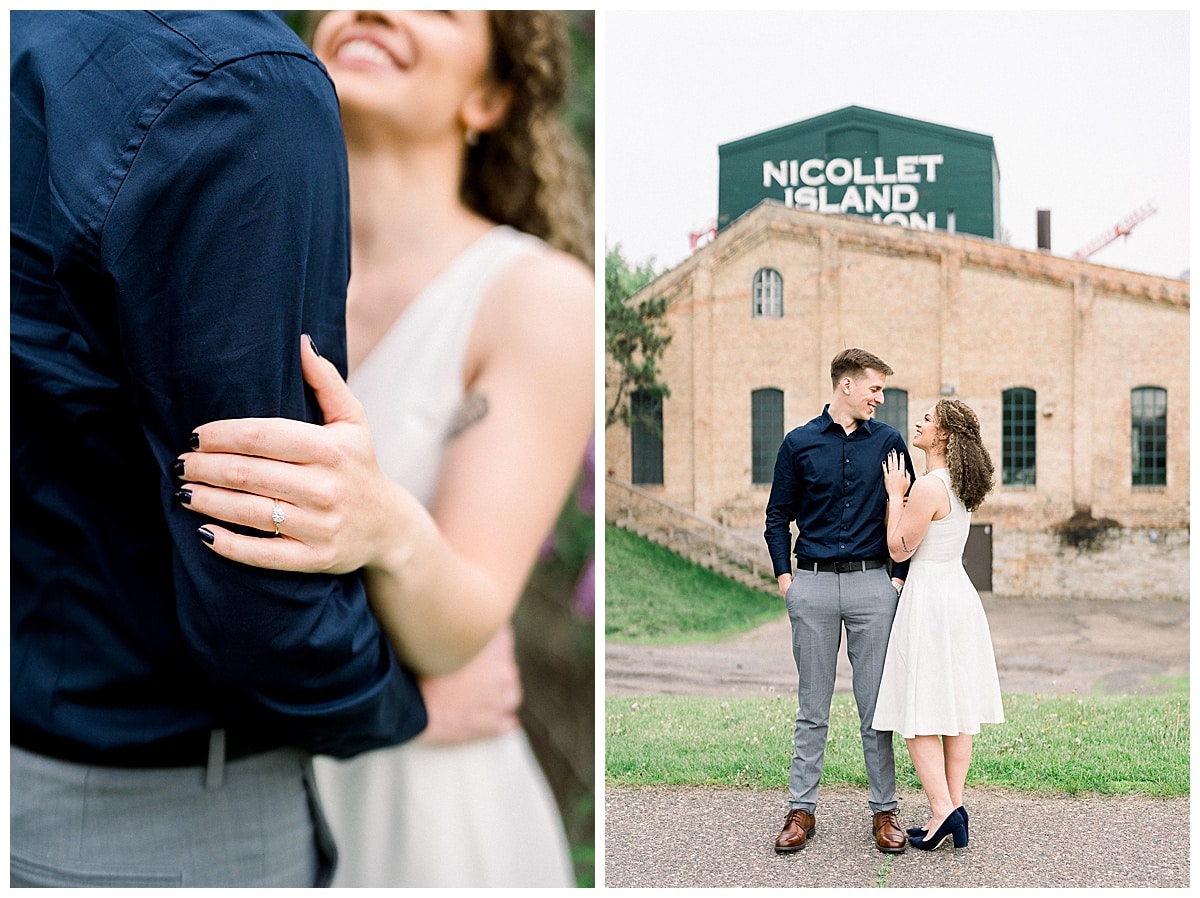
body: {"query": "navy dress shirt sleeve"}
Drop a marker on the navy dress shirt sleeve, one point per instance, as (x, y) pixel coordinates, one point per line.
(781, 509)
(178, 219)
(225, 243)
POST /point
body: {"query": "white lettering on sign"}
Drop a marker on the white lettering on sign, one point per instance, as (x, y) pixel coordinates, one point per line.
(904, 198)
(887, 192)
(839, 172)
(810, 172)
(852, 201)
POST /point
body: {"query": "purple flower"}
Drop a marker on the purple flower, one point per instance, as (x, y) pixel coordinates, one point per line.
(587, 488)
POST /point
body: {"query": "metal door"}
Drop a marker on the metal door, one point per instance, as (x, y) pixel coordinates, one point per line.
(977, 556)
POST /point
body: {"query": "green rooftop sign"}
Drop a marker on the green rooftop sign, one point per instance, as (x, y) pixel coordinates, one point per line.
(857, 161)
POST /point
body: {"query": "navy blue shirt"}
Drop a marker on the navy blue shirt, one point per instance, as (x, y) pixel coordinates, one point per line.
(179, 217)
(831, 484)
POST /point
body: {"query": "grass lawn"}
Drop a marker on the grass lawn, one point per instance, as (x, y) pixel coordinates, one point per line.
(1105, 744)
(653, 595)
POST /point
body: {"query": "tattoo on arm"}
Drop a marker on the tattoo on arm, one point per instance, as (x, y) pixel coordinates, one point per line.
(904, 545)
(474, 409)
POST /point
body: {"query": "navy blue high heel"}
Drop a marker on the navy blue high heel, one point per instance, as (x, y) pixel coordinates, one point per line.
(953, 825)
(919, 831)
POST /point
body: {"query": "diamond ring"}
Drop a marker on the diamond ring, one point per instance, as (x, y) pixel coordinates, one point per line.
(278, 517)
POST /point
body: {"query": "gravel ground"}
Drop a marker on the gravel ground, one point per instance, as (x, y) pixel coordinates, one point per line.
(675, 837)
(1042, 646)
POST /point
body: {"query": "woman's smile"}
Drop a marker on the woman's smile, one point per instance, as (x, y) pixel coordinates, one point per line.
(360, 50)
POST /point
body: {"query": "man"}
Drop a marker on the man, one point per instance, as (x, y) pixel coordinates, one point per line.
(829, 480)
(178, 221)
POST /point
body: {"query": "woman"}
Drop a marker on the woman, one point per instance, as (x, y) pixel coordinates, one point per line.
(939, 676)
(471, 349)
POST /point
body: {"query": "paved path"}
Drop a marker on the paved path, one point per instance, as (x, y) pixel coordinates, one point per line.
(673, 837)
(723, 837)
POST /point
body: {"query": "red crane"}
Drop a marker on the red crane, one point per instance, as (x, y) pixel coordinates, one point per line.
(1120, 229)
(707, 234)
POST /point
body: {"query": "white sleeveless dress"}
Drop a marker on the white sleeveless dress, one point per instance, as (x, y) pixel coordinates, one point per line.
(481, 813)
(939, 676)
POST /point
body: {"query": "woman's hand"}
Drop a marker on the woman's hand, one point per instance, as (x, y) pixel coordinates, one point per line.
(338, 512)
(335, 505)
(478, 702)
(895, 476)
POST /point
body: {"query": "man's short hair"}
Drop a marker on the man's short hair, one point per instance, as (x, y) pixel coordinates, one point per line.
(855, 362)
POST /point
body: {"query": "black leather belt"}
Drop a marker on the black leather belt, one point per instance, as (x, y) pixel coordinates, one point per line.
(186, 750)
(839, 567)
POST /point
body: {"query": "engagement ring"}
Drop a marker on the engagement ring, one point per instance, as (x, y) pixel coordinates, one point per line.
(278, 517)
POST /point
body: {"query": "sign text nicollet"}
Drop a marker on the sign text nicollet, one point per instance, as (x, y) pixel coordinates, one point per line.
(887, 192)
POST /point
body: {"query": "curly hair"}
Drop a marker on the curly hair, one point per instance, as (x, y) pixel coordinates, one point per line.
(967, 459)
(529, 172)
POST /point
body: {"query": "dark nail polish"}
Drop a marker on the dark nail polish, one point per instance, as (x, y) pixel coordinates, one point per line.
(206, 535)
(311, 343)
(184, 497)
(194, 441)
(177, 468)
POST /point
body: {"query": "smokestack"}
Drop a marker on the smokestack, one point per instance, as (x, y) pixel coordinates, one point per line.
(1043, 218)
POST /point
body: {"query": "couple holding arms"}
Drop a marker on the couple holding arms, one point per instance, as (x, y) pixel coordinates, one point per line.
(880, 552)
(219, 568)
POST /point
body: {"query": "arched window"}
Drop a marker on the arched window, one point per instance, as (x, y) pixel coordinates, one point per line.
(766, 433)
(646, 436)
(768, 293)
(1018, 428)
(894, 410)
(1148, 412)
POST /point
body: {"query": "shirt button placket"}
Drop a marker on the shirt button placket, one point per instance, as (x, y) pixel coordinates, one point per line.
(845, 498)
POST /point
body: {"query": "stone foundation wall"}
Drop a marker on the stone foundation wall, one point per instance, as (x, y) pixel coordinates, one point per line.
(1125, 563)
(1122, 563)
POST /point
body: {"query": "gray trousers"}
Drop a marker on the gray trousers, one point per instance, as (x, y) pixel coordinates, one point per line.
(818, 605)
(252, 822)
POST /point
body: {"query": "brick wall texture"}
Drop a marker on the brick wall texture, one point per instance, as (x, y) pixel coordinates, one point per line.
(948, 313)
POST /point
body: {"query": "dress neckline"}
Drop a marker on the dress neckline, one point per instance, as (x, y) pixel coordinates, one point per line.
(430, 289)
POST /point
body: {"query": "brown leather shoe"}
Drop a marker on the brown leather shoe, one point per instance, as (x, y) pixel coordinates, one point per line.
(889, 837)
(797, 827)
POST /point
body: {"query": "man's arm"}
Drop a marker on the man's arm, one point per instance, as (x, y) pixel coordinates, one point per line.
(228, 239)
(781, 510)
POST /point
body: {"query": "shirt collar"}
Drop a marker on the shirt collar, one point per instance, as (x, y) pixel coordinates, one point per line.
(828, 422)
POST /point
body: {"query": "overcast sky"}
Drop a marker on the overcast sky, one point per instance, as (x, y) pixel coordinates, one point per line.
(1089, 112)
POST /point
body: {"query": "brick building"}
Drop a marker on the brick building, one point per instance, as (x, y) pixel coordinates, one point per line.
(1079, 374)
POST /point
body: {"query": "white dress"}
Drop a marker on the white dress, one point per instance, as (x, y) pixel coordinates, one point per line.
(939, 676)
(481, 813)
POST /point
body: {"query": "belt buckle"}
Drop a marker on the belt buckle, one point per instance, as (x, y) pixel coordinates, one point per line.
(843, 567)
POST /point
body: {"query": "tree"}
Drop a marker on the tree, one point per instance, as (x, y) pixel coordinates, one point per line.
(635, 335)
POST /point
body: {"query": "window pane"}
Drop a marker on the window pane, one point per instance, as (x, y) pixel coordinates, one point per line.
(1149, 428)
(646, 436)
(767, 294)
(766, 433)
(894, 410)
(1018, 438)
